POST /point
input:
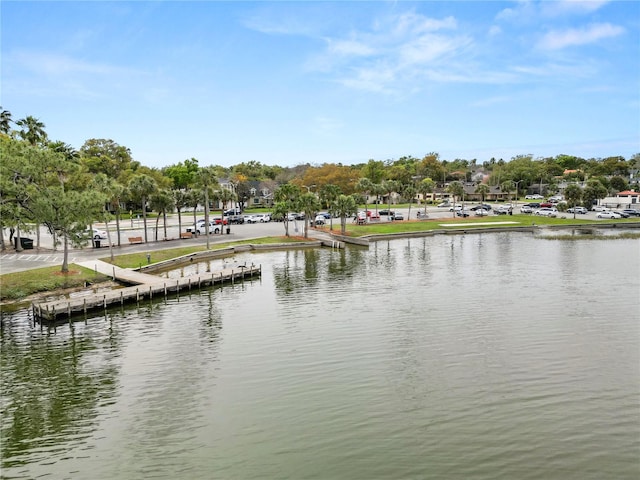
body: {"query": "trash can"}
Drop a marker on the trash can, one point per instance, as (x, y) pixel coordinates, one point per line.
(228, 230)
(96, 243)
(25, 243)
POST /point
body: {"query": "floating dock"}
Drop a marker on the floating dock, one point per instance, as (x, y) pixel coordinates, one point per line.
(143, 286)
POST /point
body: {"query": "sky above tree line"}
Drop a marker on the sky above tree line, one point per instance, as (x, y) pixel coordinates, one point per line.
(284, 83)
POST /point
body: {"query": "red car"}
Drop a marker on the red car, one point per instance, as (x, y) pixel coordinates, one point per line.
(546, 205)
(219, 221)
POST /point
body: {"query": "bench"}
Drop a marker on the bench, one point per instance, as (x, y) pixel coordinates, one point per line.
(186, 235)
(133, 240)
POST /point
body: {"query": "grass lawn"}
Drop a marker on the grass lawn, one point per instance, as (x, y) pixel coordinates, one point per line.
(18, 285)
(521, 220)
(135, 260)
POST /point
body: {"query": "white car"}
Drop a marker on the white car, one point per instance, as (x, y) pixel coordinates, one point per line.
(98, 234)
(608, 215)
(526, 209)
(200, 228)
(600, 208)
(546, 212)
(320, 220)
(261, 217)
(481, 212)
(533, 197)
(457, 208)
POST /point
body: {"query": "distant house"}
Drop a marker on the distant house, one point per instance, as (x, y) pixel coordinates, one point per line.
(623, 199)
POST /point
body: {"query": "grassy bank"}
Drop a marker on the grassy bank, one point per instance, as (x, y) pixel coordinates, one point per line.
(16, 286)
(518, 220)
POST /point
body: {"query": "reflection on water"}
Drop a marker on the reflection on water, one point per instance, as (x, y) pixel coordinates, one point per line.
(480, 356)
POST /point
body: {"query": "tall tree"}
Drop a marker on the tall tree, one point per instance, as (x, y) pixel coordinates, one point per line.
(141, 186)
(309, 204)
(207, 179)
(365, 187)
(409, 192)
(425, 187)
(456, 190)
(573, 196)
(344, 207)
(483, 190)
(5, 121)
(161, 201)
(328, 195)
(388, 188)
(32, 130)
(287, 198)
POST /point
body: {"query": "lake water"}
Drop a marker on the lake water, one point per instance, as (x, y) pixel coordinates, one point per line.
(487, 356)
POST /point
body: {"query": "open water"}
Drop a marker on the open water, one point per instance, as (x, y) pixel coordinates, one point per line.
(486, 356)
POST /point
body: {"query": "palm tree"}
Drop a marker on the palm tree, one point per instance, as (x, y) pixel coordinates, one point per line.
(112, 192)
(31, 130)
(456, 190)
(365, 187)
(507, 187)
(5, 121)
(161, 201)
(344, 206)
(424, 187)
(328, 195)
(483, 190)
(286, 197)
(388, 187)
(573, 196)
(180, 201)
(309, 204)
(141, 186)
(206, 178)
(409, 191)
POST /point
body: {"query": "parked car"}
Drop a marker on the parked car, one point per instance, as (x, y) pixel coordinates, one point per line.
(326, 215)
(320, 220)
(456, 208)
(97, 234)
(386, 212)
(546, 212)
(632, 212)
(397, 216)
(219, 221)
(482, 206)
(462, 213)
(622, 214)
(533, 197)
(503, 210)
(233, 211)
(481, 212)
(526, 209)
(200, 228)
(546, 205)
(262, 217)
(534, 205)
(599, 208)
(444, 205)
(235, 219)
(580, 210)
(608, 214)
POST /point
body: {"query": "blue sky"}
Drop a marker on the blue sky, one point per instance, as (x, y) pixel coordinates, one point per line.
(285, 83)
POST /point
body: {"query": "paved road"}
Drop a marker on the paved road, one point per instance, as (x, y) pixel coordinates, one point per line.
(46, 255)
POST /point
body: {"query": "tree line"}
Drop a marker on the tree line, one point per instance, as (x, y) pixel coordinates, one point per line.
(49, 183)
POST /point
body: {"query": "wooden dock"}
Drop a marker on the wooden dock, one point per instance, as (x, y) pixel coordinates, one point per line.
(143, 286)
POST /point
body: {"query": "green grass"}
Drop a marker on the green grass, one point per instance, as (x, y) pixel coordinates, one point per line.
(522, 220)
(21, 284)
(135, 260)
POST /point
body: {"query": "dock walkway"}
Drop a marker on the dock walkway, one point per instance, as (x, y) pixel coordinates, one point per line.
(143, 286)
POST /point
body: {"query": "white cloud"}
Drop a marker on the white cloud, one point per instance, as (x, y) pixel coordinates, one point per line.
(349, 47)
(555, 40)
(494, 30)
(571, 7)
